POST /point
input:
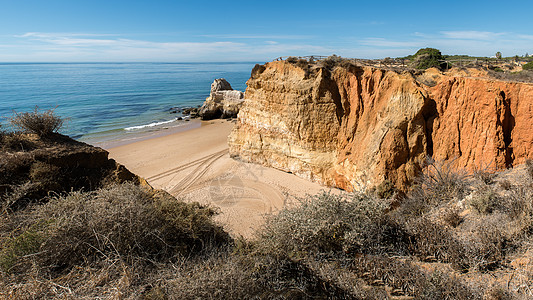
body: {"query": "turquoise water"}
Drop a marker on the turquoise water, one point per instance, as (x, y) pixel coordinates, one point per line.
(106, 100)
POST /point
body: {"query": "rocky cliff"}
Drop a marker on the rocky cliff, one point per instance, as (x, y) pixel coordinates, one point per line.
(347, 125)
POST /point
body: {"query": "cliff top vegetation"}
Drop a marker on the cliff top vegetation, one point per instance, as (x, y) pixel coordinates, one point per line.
(515, 68)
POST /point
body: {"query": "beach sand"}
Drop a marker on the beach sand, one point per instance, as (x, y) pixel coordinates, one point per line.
(194, 165)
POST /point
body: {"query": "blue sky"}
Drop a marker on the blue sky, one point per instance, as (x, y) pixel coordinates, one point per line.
(195, 31)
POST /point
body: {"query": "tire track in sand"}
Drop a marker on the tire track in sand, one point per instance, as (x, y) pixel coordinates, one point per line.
(202, 167)
(190, 164)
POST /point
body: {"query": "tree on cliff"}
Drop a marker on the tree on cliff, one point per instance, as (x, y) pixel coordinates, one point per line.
(428, 58)
(528, 66)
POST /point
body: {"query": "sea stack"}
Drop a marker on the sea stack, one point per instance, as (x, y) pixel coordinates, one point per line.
(223, 101)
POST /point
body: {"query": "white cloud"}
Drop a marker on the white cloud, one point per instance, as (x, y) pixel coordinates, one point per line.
(252, 36)
(38, 46)
(472, 35)
(42, 35)
(95, 47)
(475, 43)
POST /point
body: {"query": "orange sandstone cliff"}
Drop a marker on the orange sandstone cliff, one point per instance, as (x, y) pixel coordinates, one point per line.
(350, 126)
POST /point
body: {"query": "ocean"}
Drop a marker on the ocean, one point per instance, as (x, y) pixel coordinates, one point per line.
(109, 101)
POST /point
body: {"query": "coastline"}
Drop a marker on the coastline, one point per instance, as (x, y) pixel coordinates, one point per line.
(194, 165)
(125, 137)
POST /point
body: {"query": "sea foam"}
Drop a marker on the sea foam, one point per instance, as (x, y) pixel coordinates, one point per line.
(154, 124)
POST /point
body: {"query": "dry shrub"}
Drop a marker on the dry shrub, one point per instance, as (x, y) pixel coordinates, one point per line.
(433, 241)
(529, 168)
(253, 276)
(485, 175)
(328, 223)
(481, 249)
(41, 123)
(292, 59)
(498, 293)
(518, 206)
(331, 61)
(385, 190)
(439, 285)
(452, 216)
(522, 76)
(123, 221)
(405, 276)
(16, 141)
(505, 184)
(440, 183)
(108, 279)
(485, 201)
(17, 196)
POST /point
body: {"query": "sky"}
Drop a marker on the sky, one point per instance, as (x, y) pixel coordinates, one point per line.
(256, 31)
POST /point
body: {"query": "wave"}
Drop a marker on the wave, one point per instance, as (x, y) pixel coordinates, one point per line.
(153, 124)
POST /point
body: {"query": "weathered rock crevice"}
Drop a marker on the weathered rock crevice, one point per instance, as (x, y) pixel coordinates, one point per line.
(429, 113)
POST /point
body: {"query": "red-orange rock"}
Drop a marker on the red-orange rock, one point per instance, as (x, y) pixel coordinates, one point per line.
(356, 126)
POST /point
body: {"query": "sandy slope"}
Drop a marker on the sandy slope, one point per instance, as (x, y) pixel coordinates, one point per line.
(195, 165)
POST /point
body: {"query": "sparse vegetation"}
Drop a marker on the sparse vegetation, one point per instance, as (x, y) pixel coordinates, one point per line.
(41, 123)
(453, 236)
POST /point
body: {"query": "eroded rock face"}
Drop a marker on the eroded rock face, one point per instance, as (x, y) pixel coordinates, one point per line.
(354, 126)
(223, 101)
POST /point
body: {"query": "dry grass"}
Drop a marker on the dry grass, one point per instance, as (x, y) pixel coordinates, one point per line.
(41, 123)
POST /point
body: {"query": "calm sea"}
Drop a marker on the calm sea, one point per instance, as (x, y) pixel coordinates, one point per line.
(104, 101)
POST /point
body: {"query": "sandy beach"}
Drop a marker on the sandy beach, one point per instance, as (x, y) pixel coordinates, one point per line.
(194, 165)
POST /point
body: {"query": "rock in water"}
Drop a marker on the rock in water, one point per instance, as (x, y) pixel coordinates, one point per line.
(223, 101)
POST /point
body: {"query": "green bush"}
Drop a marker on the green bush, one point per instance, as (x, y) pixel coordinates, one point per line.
(428, 58)
(528, 66)
(41, 123)
(15, 248)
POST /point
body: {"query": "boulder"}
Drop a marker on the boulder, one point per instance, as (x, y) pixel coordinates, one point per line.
(223, 101)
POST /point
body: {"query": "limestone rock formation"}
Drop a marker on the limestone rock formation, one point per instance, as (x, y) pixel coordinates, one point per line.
(350, 126)
(223, 101)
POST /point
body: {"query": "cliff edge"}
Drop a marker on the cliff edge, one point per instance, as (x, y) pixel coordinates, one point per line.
(348, 125)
